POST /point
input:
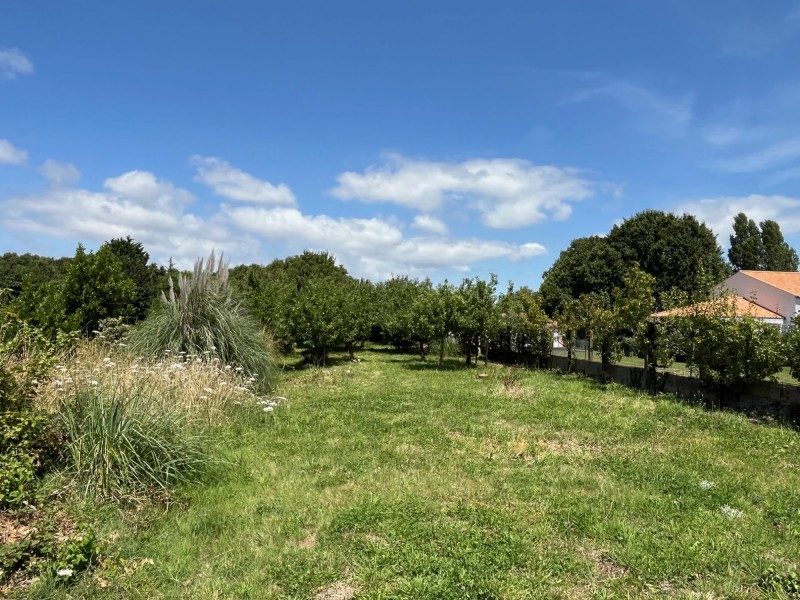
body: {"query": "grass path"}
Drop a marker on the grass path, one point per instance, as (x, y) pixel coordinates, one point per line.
(389, 479)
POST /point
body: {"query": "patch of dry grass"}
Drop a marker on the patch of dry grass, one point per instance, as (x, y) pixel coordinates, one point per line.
(200, 386)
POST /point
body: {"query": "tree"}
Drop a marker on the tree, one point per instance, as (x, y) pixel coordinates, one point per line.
(96, 288)
(357, 306)
(678, 251)
(147, 277)
(442, 308)
(760, 250)
(274, 291)
(16, 268)
(746, 251)
(523, 329)
(317, 318)
(403, 313)
(778, 255)
(588, 265)
(477, 319)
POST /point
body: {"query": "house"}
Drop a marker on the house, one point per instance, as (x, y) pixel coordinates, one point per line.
(778, 291)
(741, 307)
(770, 296)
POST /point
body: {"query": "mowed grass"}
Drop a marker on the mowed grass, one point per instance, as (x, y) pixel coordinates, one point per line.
(390, 479)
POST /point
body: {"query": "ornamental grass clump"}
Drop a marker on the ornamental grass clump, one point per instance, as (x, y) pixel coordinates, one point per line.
(128, 443)
(201, 318)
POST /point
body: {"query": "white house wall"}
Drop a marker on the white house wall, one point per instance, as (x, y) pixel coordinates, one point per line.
(763, 294)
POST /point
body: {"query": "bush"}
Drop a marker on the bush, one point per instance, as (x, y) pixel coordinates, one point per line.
(28, 444)
(730, 350)
(203, 319)
(127, 442)
(792, 348)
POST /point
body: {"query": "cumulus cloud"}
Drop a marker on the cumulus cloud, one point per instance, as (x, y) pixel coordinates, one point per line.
(718, 213)
(429, 224)
(232, 183)
(137, 203)
(373, 248)
(13, 62)
(507, 192)
(59, 174)
(158, 214)
(10, 155)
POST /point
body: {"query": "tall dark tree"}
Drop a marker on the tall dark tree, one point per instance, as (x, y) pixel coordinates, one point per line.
(134, 261)
(747, 250)
(679, 251)
(589, 265)
(96, 288)
(778, 255)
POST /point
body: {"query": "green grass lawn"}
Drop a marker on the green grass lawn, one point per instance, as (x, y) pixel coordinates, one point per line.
(390, 479)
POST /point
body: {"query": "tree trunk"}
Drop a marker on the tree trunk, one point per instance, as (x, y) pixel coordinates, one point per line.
(441, 351)
(421, 350)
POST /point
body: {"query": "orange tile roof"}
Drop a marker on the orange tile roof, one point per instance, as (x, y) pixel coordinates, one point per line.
(741, 306)
(788, 281)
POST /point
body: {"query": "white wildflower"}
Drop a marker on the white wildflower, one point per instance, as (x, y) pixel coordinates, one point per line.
(707, 485)
(733, 513)
(268, 409)
(94, 382)
(65, 572)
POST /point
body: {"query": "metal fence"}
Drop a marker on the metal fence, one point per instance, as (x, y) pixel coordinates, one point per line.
(582, 352)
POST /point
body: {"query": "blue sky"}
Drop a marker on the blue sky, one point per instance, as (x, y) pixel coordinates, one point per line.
(441, 139)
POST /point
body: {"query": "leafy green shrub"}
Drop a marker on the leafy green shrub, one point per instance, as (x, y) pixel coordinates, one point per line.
(203, 319)
(127, 442)
(28, 444)
(792, 348)
(729, 349)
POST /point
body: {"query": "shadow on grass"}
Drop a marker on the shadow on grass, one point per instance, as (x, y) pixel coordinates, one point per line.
(432, 364)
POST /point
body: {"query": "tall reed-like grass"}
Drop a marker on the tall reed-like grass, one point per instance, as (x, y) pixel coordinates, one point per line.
(202, 318)
(125, 443)
(134, 426)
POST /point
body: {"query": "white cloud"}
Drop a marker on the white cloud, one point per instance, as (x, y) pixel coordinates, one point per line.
(763, 159)
(372, 247)
(653, 112)
(136, 203)
(429, 224)
(146, 190)
(718, 213)
(59, 174)
(232, 183)
(156, 213)
(10, 155)
(13, 62)
(507, 192)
